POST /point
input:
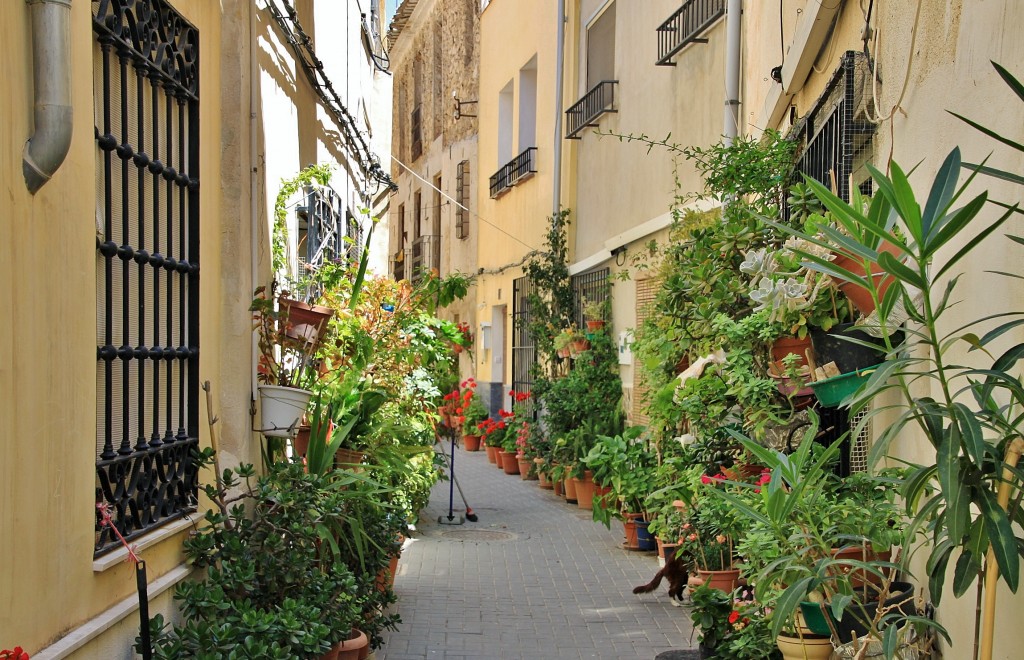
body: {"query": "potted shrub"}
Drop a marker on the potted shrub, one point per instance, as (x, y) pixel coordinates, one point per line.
(301, 601)
(595, 313)
(473, 414)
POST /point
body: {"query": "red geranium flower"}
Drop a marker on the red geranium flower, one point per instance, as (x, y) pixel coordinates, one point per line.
(734, 617)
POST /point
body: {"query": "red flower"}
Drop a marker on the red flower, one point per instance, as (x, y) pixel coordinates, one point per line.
(17, 654)
(734, 617)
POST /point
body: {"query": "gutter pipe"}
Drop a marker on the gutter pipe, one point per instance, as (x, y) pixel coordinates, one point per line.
(732, 70)
(559, 76)
(51, 73)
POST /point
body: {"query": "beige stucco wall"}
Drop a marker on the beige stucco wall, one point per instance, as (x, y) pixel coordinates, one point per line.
(47, 481)
(949, 69)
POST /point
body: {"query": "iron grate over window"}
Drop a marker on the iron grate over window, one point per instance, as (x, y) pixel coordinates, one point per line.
(835, 136)
(146, 86)
(589, 287)
(524, 350)
(462, 184)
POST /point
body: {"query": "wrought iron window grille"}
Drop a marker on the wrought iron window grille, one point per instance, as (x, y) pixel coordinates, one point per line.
(599, 100)
(685, 26)
(835, 137)
(462, 186)
(524, 348)
(147, 96)
(592, 287)
(426, 256)
(516, 170)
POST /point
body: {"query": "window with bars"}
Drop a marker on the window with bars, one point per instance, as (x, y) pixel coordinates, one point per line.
(524, 349)
(462, 180)
(835, 137)
(325, 227)
(146, 86)
(417, 134)
(589, 287)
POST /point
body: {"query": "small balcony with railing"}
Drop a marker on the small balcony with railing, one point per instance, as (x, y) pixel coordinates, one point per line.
(515, 171)
(426, 256)
(685, 26)
(599, 100)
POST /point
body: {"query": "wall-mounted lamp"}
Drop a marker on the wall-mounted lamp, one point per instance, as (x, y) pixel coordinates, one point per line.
(459, 114)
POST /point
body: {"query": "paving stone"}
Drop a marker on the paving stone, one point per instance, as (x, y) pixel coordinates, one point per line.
(533, 578)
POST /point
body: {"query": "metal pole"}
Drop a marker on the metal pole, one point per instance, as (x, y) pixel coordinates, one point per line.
(732, 71)
(556, 206)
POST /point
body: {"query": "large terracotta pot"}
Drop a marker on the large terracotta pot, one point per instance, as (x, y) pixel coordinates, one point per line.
(784, 346)
(858, 577)
(570, 490)
(629, 525)
(471, 442)
(509, 462)
(804, 647)
(355, 647)
(542, 475)
(585, 489)
(524, 468)
(721, 580)
(858, 295)
(558, 487)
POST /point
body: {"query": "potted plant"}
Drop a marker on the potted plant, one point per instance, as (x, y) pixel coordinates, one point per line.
(561, 343)
(595, 314)
(303, 599)
(473, 413)
(288, 367)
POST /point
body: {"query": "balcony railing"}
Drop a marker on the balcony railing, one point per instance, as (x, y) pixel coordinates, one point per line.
(596, 102)
(426, 255)
(685, 27)
(514, 171)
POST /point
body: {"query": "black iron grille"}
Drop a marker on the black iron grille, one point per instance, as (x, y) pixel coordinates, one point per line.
(685, 26)
(589, 287)
(147, 135)
(524, 351)
(514, 171)
(835, 136)
(596, 102)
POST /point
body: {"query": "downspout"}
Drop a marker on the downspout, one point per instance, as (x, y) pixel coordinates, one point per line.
(559, 75)
(732, 71)
(51, 69)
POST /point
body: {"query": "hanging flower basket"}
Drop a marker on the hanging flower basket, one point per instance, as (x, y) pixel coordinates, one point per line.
(281, 410)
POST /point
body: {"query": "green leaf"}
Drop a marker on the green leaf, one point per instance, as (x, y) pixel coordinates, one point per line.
(966, 249)
(957, 500)
(1010, 80)
(889, 640)
(968, 564)
(995, 173)
(941, 193)
(906, 204)
(989, 132)
(970, 431)
(1001, 538)
(947, 227)
(788, 602)
(891, 264)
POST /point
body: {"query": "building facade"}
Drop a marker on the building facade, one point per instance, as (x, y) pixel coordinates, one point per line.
(179, 119)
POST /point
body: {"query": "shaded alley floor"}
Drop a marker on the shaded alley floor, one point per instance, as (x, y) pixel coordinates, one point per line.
(533, 578)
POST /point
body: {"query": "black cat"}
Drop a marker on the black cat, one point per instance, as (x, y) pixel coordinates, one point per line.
(676, 571)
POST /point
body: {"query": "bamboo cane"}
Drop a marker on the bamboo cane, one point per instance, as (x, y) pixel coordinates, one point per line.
(1013, 454)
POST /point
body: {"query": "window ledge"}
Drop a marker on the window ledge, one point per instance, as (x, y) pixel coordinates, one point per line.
(160, 535)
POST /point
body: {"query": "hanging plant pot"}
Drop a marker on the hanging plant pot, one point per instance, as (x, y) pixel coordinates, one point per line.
(281, 409)
(307, 323)
(594, 326)
(580, 346)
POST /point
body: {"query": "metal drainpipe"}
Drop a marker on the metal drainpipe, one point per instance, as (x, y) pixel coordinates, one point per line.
(732, 70)
(51, 69)
(559, 74)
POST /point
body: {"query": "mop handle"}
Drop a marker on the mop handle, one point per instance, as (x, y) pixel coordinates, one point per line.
(451, 485)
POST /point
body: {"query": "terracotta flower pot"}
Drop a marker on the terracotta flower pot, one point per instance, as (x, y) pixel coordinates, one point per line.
(509, 462)
(492, 455)
(349, 456)
(524, 468)
(860, 577)
(629, 526)
(787, 345)
(858, 295)
(305, 322)
(355, 647)
(721, 580)
(594, 326)
(558, 487)
(570, 490)
(386, 575)
(471, 442)
(585, 489)
(301, 442)
(580, 346)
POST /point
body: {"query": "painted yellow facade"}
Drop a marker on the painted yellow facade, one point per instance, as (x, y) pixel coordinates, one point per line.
(259, 121)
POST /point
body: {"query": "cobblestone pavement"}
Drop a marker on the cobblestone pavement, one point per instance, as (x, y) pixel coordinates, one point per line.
(534, 578)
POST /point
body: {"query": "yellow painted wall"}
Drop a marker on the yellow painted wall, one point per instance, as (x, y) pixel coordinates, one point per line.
(512, 32)
(47, 375)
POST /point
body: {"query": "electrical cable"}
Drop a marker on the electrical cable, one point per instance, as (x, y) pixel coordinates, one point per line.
(874, 119)
(462, 206)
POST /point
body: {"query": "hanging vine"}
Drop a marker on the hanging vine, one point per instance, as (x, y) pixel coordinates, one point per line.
(320, 174)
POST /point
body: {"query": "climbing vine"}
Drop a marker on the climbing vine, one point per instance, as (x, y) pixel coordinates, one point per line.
(320, 174)
(551, 303)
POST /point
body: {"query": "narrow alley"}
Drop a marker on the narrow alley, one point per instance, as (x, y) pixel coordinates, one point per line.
(535, 577)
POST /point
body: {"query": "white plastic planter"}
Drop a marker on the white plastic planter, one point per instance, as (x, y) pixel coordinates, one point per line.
(281, 408)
